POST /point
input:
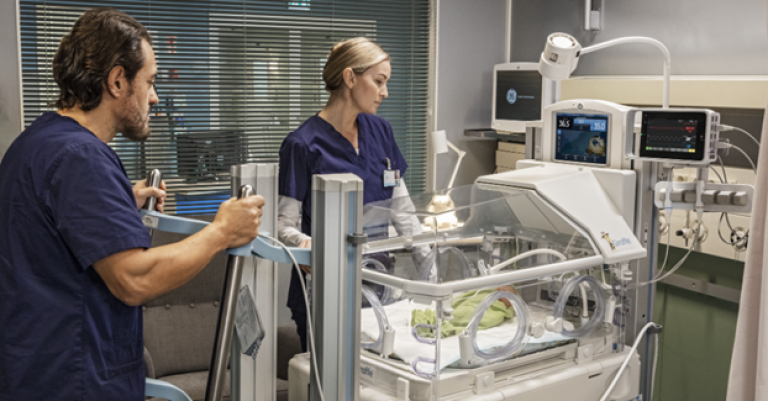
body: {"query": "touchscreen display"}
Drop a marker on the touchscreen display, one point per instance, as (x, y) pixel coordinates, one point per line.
(669, 135)
(581, 138)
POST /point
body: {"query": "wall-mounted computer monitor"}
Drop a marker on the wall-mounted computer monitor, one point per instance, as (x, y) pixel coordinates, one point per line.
(520, 93)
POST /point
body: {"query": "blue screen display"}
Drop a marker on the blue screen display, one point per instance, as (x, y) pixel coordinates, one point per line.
(581, 138)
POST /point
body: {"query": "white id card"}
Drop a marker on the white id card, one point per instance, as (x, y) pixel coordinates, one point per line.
(391, 178)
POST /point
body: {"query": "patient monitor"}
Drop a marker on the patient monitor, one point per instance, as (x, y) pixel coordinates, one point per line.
(584, 132)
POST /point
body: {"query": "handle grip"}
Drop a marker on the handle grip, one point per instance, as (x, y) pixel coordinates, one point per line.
(245, 191)
(154, 178)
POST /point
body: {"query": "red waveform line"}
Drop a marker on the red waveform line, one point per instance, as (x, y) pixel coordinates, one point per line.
(667, 127)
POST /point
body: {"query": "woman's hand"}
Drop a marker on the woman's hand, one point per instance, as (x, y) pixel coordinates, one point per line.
(307, 243)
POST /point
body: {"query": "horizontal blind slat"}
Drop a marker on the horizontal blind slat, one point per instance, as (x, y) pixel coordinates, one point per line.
(235, 77)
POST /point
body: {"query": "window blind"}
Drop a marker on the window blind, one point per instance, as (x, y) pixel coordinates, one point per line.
(235, 77)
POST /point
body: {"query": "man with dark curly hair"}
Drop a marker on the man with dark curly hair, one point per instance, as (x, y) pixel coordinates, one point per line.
(75, 259)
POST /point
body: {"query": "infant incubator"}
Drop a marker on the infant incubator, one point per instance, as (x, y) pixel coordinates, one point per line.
(490, 292)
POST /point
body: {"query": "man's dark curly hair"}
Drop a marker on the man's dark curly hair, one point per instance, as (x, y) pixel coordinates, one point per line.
(101, 39)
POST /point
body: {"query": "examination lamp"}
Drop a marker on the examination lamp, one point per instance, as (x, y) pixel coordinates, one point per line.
(440, 145)
(562, 51)
(443, 203)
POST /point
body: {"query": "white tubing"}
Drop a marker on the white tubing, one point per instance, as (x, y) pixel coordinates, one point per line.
(495, 269)
(381, 317)
(521, 335)
(626, 361)
(562, 300)
(313, 355)
(584, 300)
(386, 294)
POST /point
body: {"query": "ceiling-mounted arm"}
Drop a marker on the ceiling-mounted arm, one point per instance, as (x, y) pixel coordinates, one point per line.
(562, 53)
(594, 15)
(641, 39)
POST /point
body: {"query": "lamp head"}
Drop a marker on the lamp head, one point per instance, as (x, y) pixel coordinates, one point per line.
(439, 142)
(560, 56)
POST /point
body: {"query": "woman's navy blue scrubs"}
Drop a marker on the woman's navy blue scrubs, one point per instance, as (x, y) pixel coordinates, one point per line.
(317, 148)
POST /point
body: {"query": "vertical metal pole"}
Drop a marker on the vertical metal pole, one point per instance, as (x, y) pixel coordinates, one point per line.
(337, 205)
(218, 371)
(256, 380)
(646, 230)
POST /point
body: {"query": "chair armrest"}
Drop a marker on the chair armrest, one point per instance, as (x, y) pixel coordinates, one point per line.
(161, 389)
(149, 364)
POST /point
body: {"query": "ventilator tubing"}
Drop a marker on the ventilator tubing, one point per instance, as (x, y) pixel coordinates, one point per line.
(513, 346)
(381, 317)
(562, 300)
(426, 266)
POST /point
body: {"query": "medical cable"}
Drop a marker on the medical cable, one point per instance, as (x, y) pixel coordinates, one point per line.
(565, 293)
(626, 360)
(751, 162)
(668, 212)
(720, 222)
(723, 127)
(724, 179)
(661, 276)
(655, 361)
(719, 177)
(313, 355)
(700, 183)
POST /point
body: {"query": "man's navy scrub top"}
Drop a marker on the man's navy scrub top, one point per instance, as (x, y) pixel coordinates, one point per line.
(317, 148)
(65, 203)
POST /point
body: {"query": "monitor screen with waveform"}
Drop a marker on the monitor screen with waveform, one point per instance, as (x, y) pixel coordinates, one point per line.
(673, 135)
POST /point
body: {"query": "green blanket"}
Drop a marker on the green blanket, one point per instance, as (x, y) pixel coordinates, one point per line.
(463, 308)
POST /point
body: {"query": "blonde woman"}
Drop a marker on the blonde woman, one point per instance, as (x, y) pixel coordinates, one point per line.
(346, 136)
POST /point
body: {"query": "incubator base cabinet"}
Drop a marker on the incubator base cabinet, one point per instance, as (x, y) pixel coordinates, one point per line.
(514, 288)
(576, 382)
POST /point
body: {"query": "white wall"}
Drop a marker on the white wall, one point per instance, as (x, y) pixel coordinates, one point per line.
(11, 121)
(709, 37)
(471, 40)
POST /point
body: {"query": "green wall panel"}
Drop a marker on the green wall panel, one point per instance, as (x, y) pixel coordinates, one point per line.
(699, 330)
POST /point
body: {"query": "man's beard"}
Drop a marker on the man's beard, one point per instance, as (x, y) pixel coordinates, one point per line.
(134, 127)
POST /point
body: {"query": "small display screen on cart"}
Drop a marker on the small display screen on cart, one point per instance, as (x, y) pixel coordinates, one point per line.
(581, 138)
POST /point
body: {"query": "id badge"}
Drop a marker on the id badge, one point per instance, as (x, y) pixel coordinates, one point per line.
(391, 178)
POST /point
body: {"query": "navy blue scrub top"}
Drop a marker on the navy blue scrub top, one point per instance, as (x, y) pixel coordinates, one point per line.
(65, 203)
(317, 148)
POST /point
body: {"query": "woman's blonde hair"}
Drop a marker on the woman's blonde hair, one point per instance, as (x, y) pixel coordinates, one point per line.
(359, 54)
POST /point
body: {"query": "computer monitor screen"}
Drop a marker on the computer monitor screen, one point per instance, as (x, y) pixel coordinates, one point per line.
(204, 156)
(581, 138)
(518, 95)
(671, 135)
